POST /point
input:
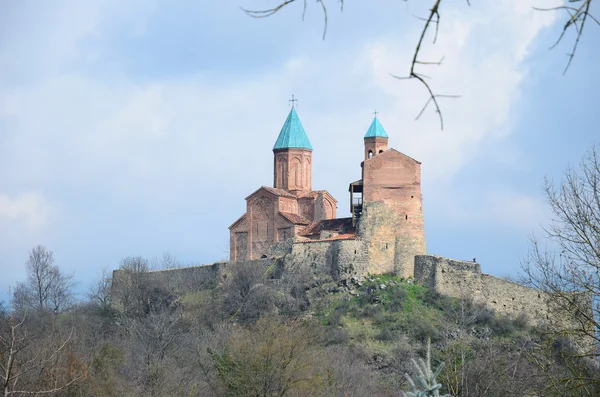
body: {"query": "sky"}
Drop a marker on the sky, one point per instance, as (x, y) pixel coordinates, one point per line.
(137, 127)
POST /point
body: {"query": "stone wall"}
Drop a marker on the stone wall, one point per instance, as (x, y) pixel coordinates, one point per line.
(176, 281)
(340, 259)
(392, 242)
(463, 279)
(392, 213)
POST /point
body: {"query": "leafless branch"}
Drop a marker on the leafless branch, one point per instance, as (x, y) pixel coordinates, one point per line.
(433, 18)
(57, 389)
(578, 16)
(280, 6)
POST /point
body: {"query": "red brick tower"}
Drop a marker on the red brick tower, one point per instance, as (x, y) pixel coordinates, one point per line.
(376, 140)
(387, 203)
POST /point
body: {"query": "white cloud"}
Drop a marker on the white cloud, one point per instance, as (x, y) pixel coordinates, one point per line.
(133, 127)
(483, 63)
(163, 144)
(30, 208)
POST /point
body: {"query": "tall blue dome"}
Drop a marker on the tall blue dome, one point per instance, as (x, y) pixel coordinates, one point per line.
(292, 134)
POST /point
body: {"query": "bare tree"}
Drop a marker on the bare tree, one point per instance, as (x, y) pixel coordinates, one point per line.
(569, 271)
(100, 291)
(36, 363)
(135, 264)
(46, 288)
(272, 359)
(578, 15)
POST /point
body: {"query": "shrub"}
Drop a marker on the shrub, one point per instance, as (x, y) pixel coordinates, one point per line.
(385, 335)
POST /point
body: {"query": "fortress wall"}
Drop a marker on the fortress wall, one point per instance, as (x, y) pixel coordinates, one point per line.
(177, 281)
(282, 248)
(392, 240)
(341, 259)
(463, 279)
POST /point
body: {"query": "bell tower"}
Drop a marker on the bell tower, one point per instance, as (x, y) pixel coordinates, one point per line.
(376, 139)
(292, 165)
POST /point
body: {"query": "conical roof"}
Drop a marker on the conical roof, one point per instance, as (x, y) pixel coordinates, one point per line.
(292, 134)
(376, 130)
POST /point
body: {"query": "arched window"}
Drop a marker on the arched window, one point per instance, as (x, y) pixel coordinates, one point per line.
(370, 154)
(381, 151)
(307, 173)
(296, 175)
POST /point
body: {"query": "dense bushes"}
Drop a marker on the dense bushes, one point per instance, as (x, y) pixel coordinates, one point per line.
(255, 335)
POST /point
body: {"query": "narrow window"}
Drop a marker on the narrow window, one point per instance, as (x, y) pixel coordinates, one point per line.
(406, 217)
(296, 175)
(370, 153)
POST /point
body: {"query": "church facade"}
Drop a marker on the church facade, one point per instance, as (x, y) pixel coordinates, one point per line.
(275, 214)
(386, 214)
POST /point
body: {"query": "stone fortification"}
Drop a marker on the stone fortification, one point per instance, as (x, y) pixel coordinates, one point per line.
(463, 279)
(344, 259)
(340, 259)
(177, 281)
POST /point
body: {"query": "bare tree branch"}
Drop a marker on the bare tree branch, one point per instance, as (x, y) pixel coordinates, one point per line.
(578, 16)
(274, 10)
(577, 19)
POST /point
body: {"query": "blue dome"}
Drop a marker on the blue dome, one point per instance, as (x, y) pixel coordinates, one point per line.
(292, 134)
(376, 130)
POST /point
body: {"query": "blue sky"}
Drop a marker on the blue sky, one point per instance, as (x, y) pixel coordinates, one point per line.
(137, 127)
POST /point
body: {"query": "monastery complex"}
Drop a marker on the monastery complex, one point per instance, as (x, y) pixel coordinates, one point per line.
(386, 204)
(292, 230)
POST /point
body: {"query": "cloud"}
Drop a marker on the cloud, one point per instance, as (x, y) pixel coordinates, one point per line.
(167, 159)
(31, 209)
(483, 63)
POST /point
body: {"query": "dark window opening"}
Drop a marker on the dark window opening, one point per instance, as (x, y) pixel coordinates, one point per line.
(381, 151)
(354, 252)
(263, 256)
(406, 217)
(412, 196)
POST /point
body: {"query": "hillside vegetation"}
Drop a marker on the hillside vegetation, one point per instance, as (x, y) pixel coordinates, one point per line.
(259, 335)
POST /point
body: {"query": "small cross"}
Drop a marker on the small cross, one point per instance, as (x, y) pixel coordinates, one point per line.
(293, 100)
(376, 113)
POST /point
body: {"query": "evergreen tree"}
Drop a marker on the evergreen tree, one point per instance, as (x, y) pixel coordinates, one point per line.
(426, 384)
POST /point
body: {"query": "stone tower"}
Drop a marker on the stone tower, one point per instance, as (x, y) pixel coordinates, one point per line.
(387, 205)
(292, 165)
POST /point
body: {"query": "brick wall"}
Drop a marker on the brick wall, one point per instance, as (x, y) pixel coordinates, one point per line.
(392, 217)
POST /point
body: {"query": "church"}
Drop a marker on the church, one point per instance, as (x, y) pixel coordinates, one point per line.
(386, 214)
